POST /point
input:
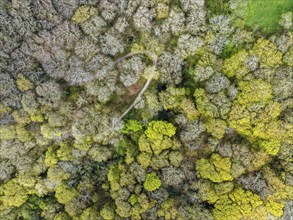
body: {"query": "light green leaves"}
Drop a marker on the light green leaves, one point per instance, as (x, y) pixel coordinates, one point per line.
(152, 182)
(216, 169)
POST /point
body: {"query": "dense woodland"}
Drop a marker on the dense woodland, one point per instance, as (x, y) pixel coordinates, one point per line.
(146, 109)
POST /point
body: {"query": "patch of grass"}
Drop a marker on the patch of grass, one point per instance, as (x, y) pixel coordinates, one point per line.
(266, 13)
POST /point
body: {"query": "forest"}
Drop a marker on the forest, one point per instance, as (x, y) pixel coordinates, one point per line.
(146, 109)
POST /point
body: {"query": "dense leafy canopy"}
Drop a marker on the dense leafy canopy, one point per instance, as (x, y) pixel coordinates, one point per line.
(146, 109)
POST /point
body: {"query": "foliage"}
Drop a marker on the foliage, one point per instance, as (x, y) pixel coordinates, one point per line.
(64, 193)
(16, 191)
(204, 106)
(83, 13)
(131, 126)
(157, 137)
(23, 84)
(208, 136)
(168, 210)
(152, 182)
(218, 6)
(239, 204)
(172, 97)
(235, 65)
(216, 169)
(51, 157)
(216, 127)
(107, 212)
(267, 53)
(255, 96)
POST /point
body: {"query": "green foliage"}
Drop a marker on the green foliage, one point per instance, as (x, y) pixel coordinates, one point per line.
(114, 177)
(133, 129)
(275, 208)
(56, 120)
(160, 161)
(235, 65)
(51, 156)
(84, 145)
(152, 44)
(67, 69)
(56, 174)
(211, 192)
(31, 208)
(37, 117)
(83, 13)
(123, 208)
(176, 157)
(22, 134)
(162, 11)
(217, 6)
(7, 132)
(267, 52)
(270, 146)
(50, 132)
(157, 137)
(90, 213)
(64, 153)
(229, 50)
(3, 109)
(141, 204)
(280, 192)
(264, 50)
(189, 109)
(10, 132)
(21, 117)
(239, 204)
(152, 182)
(64, 193)
(100, 153)
(254, 91)
(216, 127)
(16, 191)
(216, 169)
(265, 130)
(132, 199)
(126, 148)
(156, 129)
(144, 159)
(107, 212)
(62, 216)
(23, 84)
(131, 126)
(266, 14)
(287, 58)
(203, 104)
(168, 209)
(172, 97)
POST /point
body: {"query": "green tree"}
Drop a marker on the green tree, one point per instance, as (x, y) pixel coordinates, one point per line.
(152, 182)
(64, 193)
(216, 169)
(255, 116)
(157, 137)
